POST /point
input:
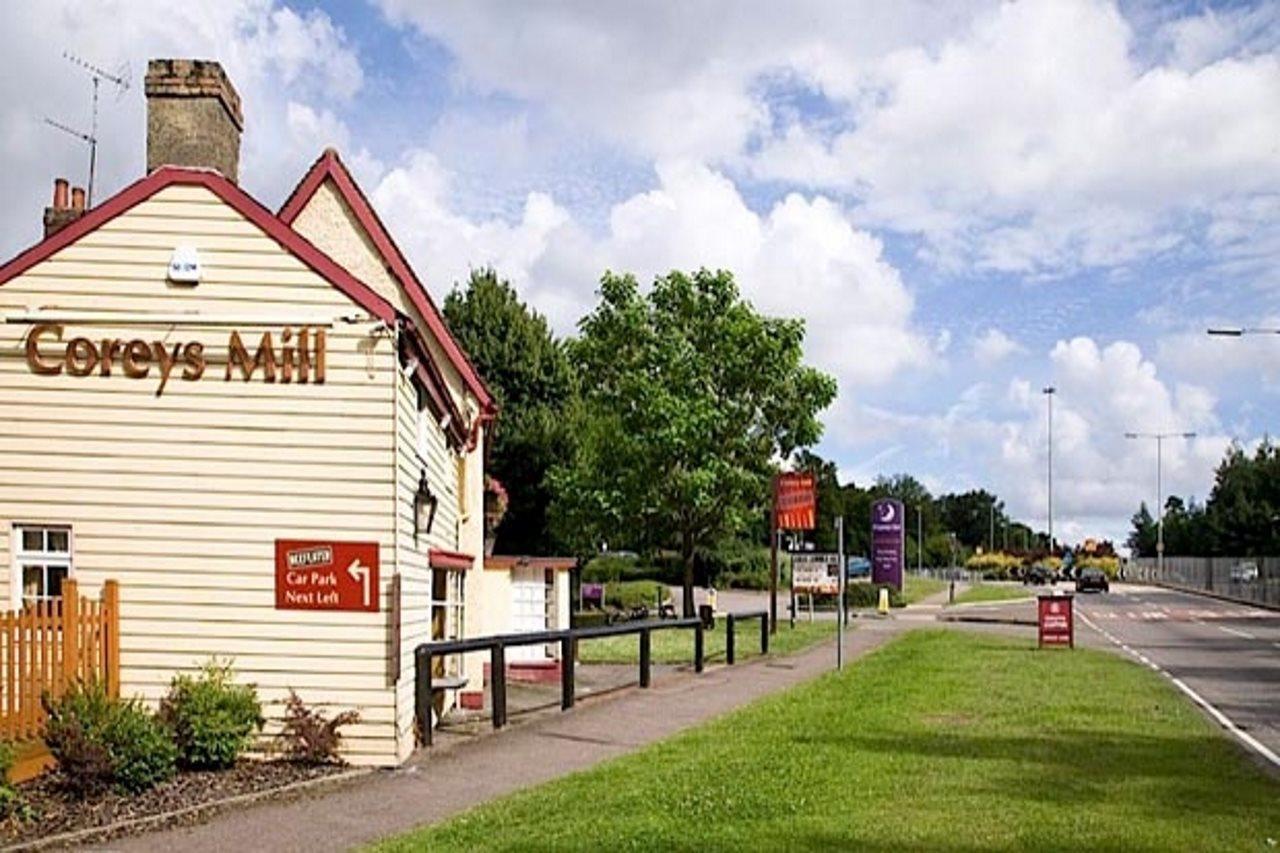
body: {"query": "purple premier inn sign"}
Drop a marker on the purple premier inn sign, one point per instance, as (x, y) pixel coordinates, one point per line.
(887, 544)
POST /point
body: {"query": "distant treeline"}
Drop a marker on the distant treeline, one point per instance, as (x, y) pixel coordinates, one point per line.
(1240, 518)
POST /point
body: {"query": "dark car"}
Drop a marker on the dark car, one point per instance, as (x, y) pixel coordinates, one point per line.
(1038, 575)
(1092, 580)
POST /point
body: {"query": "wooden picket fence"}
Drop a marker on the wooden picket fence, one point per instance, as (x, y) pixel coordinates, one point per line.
(46, 646)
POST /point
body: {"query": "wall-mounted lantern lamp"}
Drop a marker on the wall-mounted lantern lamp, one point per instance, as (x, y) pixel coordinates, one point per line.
(425, 503)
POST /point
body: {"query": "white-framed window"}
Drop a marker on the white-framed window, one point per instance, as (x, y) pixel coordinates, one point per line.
(41, 562)
(448, 609)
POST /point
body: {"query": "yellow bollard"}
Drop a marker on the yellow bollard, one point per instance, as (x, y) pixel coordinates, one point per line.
(883, 607)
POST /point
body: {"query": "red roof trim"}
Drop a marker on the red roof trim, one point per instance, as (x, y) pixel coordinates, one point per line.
(330, 165)
(238, 199)
(454, 560)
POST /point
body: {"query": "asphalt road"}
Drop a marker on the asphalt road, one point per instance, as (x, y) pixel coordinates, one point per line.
(1228, 653)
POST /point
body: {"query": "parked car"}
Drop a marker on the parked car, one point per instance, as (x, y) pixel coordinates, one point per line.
(1246, 572)
(857, 567)
(1092, 579)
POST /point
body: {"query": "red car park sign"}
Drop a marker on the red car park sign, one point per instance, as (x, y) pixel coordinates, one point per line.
(312, 575)
(1057, 621)
(795, 501)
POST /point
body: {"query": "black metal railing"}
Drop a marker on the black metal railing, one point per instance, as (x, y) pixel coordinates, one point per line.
(730, 622)
(497, 645)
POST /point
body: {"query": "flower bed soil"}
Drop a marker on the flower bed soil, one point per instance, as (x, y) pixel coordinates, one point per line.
(55, 812)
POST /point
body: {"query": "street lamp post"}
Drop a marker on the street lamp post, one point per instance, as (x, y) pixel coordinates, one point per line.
(1049, 391)
(1159, 438)
(1240, 331)
(919, 538)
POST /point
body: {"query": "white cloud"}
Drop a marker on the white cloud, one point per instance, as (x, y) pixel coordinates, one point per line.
(1041, 136)
(667, 79)
(1200, 357)
(285, 65)
(1100, 477)
(803, 258)
(993, 346)
(1017, 148)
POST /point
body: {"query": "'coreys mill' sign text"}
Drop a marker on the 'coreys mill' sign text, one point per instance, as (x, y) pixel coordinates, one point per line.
(299, 357)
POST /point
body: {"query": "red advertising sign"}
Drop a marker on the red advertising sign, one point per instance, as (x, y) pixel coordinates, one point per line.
(795, 501)
(314, 575)
(1057, 622)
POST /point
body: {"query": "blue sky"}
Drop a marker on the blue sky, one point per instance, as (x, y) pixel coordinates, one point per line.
(965, 200)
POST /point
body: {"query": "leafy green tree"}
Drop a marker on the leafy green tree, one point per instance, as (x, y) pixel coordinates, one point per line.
(831, 500)
(689, 395)
(1142, 538)
(529, 374)
(968, 516)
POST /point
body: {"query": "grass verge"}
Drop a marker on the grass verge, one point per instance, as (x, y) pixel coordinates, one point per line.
(915, 588)
(940, 741)
(675, 645)
(992, 592)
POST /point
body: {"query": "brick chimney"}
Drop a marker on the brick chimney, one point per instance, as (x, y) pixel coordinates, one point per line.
(63, 212)
(193, 117)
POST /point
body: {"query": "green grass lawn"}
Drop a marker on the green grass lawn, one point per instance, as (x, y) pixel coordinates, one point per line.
(915, 588)
(675, 645)
(992, 592)
(940, 741)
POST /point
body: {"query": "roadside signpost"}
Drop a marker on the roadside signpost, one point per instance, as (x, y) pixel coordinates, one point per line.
(840, 611)
(888, 545)
(1056, 621)
(795, 507)
(815, 573)
(316, 575)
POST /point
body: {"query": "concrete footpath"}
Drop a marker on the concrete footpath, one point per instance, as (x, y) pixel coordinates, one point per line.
(453, 777)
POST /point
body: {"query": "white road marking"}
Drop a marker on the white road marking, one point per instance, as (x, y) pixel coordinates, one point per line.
(1221, 718)
(1244, 634)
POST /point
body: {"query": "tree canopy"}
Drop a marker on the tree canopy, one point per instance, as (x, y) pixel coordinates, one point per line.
(688, 399)
(1240, 518)
(528, 372)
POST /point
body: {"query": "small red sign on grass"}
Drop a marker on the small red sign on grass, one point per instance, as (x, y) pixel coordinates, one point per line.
(1057, 621)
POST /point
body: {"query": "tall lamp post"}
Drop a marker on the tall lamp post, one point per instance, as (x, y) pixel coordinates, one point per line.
(1049, 391)
(1159, 439)
(1241, 331)
(919, 538)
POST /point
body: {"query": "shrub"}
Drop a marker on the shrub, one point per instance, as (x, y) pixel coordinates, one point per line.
(12, 804)
(868, 595)
(212, 719)
(142, 753)
(737, 564)
(307, 737)
(628, 594)
(994, 565)
(101, 742)
(590, 618)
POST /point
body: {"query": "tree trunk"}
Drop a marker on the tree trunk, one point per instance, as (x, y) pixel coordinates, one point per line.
(686, 554)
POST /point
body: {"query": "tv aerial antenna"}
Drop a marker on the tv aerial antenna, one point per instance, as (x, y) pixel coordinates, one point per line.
(120, 80)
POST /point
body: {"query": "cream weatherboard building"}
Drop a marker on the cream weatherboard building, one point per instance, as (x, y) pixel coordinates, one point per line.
(256, 422)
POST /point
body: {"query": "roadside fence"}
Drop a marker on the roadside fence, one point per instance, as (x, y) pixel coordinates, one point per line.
(425, 682)
(1253, 580)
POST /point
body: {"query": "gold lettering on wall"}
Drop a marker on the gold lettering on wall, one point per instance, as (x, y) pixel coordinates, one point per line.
(301, 357)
